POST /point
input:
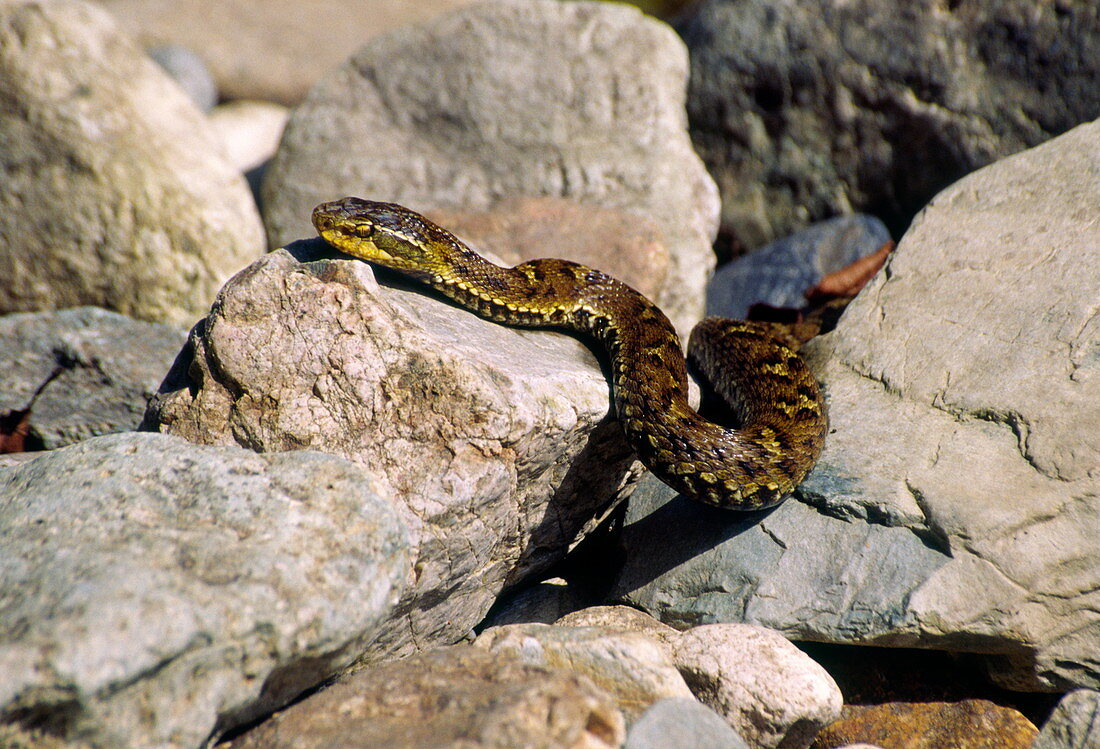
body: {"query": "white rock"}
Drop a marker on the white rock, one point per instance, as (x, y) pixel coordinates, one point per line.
(770, 691)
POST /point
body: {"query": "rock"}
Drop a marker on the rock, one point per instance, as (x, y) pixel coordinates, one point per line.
(115, 191)
(631, 666)
(78, 373)
(494, 440)
(157, 593)
(276, 51)
(804, 109)
(779, 273)
(772, 693)
(450, 697)
(806, 574)
(509, 99)
(249, 131)
(622, 617)
(625, 246)
(954, 503)
(1074, 724)
(678, 723)
(190, 72)
(970, 724)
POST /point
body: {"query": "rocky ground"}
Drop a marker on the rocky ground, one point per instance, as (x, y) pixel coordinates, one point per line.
(259, 494)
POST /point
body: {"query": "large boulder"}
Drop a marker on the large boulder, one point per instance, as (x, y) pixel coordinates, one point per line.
(116, 192)
(505, 100)
(806, 109)
(495, 441)
(158, 593)
(956, 502)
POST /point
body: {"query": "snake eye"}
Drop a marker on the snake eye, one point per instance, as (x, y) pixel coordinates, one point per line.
(362, 230)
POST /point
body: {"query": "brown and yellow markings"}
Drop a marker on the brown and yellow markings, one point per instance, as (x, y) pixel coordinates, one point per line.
(781, 410)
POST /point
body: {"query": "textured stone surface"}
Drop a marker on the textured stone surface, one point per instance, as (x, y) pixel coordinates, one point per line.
(955, 501)
(451, 697)
(494, 440)
(1074, 724)
(779, 273)
(155, 592)
(631, 666)
(274, 51)
(509, 99)
(81, 372)
(807, 109)
(970, 724)
(677, 723)
(115, 191)
(795, 570)
(772, 693)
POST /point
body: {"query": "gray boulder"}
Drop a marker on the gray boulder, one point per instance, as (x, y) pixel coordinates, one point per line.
(157, 593)
(504, 100)
(956, 501)
(807, 109)
(80, 372)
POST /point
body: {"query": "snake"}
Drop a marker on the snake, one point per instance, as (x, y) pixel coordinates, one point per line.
(779, 419)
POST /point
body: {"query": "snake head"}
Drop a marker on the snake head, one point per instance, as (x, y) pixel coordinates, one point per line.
(384, 233)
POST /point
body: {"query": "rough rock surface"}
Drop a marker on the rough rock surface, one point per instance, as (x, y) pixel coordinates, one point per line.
(1074, 724)
(274, 51)
(115, 191)
(772, 693)
(450, 697)
(973, 724)
(781, 272)
(677, 723)
(155, 592)
(807, 109)
(631, 666)
(494, 440)
(77, 373)
(509, 99)
(956, 500)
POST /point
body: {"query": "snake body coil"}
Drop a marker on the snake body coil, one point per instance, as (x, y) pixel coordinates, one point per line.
(778, 405)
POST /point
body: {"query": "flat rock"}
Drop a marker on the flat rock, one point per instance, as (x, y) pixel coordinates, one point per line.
(780, 272)
(77, 373)
(678, 723)
(631, 666)
(157, 593)
(503, 100)
(1074, 724)
(116, 193)
(806, 109)
(955, 501)
(970, 724)
(274, 51)
(495, 441)
(450, 697)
